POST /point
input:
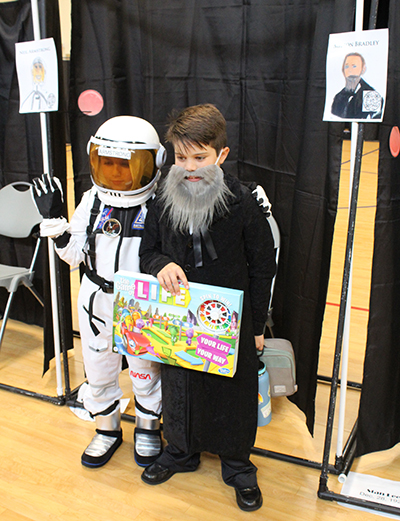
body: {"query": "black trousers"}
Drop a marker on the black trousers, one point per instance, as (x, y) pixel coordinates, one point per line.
(238, 473)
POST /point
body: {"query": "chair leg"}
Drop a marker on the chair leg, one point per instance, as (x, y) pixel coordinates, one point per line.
(5, 316)
(36, 295)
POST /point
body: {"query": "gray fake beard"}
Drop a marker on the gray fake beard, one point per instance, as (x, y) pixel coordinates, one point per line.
(352, 82)
(192, 206)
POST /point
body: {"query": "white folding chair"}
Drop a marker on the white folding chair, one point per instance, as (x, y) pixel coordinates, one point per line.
(18, 216)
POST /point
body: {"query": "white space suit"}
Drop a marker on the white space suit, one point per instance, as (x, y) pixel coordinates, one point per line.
(105, 233)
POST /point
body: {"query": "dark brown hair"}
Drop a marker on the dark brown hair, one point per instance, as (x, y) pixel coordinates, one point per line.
(200, 125)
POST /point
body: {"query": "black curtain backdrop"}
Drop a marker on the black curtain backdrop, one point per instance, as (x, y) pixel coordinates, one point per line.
(296, 156)
(21, 160)
(379, 414)
(262, 63)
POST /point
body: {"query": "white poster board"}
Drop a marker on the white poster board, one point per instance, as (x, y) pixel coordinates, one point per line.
(356, 74)
(371, 488)
(37, 72)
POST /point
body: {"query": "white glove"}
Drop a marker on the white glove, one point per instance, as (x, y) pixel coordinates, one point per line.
(53, 227)
(262, 199)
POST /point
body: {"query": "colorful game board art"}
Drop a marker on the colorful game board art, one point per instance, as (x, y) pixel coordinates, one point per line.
(198, 329)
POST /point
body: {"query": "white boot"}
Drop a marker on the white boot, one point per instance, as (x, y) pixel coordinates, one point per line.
(105, 442)
(147, 438)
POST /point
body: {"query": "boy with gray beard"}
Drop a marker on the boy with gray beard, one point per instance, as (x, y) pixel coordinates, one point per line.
(205, 226)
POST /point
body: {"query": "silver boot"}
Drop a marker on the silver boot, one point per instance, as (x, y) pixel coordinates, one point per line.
(147, 438)
(105, 442)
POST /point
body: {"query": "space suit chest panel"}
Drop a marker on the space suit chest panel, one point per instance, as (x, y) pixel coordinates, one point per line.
(127, 222)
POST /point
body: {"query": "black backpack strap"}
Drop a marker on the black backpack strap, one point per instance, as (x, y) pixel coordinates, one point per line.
(91, 236)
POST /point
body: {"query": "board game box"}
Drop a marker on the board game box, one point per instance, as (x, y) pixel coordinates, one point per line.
(198, 329)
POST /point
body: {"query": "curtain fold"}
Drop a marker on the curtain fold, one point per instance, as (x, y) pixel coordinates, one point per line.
(296, 157)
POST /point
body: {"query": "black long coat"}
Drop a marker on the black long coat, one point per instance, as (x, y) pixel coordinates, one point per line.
(206, 412)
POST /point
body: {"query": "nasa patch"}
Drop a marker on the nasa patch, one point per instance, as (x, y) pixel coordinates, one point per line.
(138, 222)
(105, 215)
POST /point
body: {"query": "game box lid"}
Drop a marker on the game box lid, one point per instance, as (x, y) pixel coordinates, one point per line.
(198, 329)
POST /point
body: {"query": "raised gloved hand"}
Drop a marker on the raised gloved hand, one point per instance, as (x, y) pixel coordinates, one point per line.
(261, 197)
(48, 196)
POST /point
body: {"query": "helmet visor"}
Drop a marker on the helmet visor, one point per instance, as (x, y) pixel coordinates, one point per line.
(122, 169)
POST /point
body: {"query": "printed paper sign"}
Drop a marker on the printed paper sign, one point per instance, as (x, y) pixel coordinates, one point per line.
(372, 488)
(356, 75)
(37, 76)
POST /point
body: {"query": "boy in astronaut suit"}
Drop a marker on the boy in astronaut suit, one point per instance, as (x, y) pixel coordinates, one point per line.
(105, 233)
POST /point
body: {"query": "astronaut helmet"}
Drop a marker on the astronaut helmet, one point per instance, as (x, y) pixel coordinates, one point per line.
(125, 158)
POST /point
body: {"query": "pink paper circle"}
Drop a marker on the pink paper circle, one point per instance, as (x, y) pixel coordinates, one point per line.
(90, 102)
(394, 141)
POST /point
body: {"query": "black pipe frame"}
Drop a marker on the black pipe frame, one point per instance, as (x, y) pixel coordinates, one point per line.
(323, 491)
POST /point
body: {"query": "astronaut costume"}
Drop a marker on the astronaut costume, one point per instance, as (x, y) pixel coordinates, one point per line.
(105, 233)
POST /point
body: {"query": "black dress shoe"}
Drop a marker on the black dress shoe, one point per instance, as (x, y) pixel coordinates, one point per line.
(249, 498)
(155, 474)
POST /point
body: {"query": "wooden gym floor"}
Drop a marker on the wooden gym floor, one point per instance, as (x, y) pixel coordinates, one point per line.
(41, 443)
